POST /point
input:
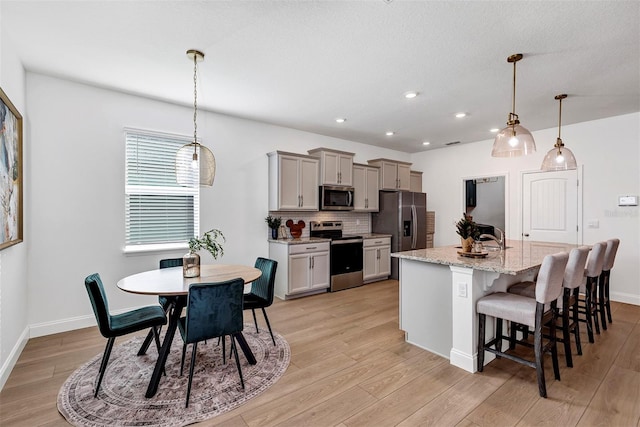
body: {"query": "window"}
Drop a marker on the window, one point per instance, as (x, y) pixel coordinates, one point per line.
(159, 212)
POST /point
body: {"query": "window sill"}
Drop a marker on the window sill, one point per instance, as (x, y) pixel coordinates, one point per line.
(151, 249)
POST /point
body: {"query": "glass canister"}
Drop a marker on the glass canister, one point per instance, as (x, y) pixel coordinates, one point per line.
(191, 265)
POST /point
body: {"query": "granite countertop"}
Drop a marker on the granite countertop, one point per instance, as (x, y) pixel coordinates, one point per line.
(300, 241)
(519, 257)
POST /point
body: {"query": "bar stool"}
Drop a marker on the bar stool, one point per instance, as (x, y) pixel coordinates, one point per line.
(526, 311)
(603, 285)
(587, 305)
(568, 304)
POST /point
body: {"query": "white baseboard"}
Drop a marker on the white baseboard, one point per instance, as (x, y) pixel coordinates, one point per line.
(625, 297)
(64, 325)
(11, 361)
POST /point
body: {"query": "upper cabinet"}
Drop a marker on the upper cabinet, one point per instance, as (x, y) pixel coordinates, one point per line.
(394, 175)
(293, 182)
(336, 167)
(365, 188)
(416, 181)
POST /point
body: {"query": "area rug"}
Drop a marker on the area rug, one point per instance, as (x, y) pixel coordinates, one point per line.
(215, 389)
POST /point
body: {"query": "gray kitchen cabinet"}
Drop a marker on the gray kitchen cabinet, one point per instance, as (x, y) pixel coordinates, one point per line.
(303, 269)
(336, 167)
(376, 254)
(394, 175)
(365, 188)
(293, 182)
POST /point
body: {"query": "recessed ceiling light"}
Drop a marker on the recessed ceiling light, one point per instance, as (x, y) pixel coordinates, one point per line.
(340, 120)
(390, 133)
(461, 115)
(494, 130)
(426, 143)
(410, 95)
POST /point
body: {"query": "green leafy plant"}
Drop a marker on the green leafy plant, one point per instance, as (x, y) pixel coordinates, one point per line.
(273, 221)
(209, 241)
(466, 228)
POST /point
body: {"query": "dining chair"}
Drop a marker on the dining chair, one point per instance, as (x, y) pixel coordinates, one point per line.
(603, 285)
(262, 290)
(213, 310)
(588, 304)
(112, 326)
(534, 313)
(567, 305)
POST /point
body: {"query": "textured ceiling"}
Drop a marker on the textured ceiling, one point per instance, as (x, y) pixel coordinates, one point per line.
(303, 64)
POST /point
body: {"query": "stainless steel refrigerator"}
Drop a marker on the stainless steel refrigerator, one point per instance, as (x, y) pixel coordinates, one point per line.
(403, 214)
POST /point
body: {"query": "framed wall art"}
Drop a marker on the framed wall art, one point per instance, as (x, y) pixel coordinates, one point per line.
(11, 194)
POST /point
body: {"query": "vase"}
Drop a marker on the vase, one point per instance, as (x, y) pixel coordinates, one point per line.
(467, 244)
(274, 233)
(191, 265)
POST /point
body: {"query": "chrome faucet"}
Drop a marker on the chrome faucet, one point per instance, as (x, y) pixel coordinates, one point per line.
(502, 242)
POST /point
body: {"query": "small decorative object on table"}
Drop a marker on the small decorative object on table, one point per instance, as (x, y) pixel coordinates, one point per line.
(295, 229)
(468, 232)
(208, 241)
(274, 223)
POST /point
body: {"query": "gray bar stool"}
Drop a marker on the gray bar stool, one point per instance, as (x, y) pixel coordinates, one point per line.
(568, 304)
(603, 286)
(534, 313)
(587, 305)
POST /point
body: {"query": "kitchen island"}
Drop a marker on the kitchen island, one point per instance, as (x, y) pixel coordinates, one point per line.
(439, 289)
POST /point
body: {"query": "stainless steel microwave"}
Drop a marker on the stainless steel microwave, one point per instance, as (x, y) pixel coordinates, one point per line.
(336, 198)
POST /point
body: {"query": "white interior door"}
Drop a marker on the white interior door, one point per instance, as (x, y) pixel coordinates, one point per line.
(550, 207)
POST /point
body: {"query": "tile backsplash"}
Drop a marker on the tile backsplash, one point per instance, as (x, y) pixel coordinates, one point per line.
(352, 222)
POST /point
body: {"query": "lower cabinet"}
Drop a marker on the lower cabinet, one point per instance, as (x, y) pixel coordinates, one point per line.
(303, 269)
(377, 259)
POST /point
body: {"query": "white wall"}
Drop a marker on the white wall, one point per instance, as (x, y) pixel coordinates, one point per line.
(609, 151)
(13, 260)
(77, 191)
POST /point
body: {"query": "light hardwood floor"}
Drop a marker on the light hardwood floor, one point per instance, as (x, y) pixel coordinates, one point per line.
(350, 366)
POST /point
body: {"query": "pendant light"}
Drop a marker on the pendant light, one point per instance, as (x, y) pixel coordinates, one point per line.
(194, 160)
(559, 158)
(514, 140)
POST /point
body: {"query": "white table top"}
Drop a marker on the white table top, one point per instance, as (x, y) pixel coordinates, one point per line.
(169, 281)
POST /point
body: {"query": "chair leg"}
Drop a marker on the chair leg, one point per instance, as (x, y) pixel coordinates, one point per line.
(587, 305)
(537, 346)
(593, 304)
(266, 319)
(481, 323)
(576, 322)
(193, 364)
(184, 350)
(224, 350)
(566, 333)
(554, 344)
(255, 321)
(607, 301)
(601, 302)
(499, 336)
(103, 364)
(235, 351)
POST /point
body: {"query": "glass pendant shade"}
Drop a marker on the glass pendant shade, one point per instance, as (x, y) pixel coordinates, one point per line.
(559, 159)
(195, 164)
(513, 141)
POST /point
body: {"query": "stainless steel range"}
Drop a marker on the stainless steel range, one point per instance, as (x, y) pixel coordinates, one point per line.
(345, 254)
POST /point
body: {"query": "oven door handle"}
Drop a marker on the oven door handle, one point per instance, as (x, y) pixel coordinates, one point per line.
(344, 242)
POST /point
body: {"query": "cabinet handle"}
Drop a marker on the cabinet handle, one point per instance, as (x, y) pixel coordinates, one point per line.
(378, 252)
(339, 177)
(366, 203)
(309, 263)
(311, 247)
(378, 242)
(313, 262)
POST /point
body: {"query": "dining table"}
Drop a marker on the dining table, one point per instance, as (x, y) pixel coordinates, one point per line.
(170, 283)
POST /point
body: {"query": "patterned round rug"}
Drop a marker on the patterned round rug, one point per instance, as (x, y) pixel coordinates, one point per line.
(215, 389)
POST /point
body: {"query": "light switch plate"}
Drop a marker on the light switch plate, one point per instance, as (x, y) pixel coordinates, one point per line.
(627, 200)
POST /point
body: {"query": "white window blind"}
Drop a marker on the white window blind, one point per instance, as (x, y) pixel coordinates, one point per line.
(159, 212)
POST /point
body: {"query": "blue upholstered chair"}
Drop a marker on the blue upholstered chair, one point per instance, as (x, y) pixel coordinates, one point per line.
(523, 310)
(213, 310)
(112, 326)
(262, 289)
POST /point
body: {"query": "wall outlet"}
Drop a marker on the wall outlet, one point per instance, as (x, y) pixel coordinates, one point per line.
(462, 290)
(594, 223)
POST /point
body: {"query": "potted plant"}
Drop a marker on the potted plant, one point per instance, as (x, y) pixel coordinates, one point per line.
(468, 232)
(210, 241)
(274, 223)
